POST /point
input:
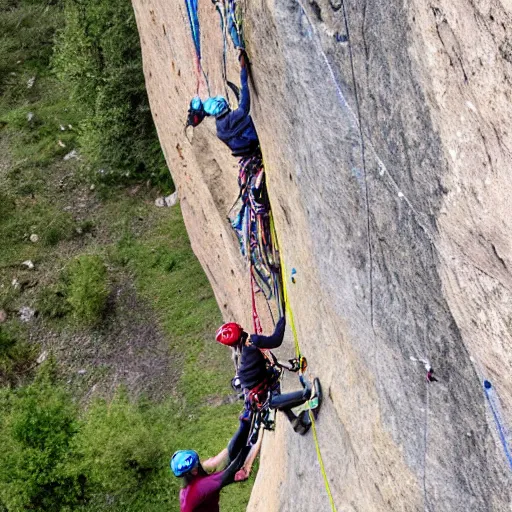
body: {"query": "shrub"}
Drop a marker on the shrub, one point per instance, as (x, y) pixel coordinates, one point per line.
(120, 447)
(87, 288)
(37, 425)
(16, 356)
(52, 301)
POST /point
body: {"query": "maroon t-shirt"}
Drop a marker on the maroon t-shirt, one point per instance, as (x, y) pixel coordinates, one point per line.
(202, 494)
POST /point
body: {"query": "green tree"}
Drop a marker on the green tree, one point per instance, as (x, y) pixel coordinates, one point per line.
(98, 54)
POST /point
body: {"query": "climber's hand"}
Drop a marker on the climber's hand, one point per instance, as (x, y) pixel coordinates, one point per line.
(242, 57)
(241, 475)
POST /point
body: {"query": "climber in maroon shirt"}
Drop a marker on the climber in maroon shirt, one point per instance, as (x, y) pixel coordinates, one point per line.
(201, 492)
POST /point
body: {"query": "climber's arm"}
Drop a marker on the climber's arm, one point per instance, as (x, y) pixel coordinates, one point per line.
(245, 100)
(228, 475)
(272, 341)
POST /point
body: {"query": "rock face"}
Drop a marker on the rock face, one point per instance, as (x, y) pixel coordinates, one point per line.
(386, 130)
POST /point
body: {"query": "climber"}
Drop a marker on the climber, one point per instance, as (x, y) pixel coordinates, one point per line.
(201, 491)
(259, 377)
(250, 215)
(234, 127)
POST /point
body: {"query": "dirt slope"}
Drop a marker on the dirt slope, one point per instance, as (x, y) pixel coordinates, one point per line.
(386, 131)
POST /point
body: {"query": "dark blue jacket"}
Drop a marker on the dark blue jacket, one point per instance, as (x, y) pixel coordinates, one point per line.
(236, 128)
(253, 364)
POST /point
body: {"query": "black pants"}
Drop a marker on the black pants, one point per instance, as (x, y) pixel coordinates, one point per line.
(241, 437)
(286, 402)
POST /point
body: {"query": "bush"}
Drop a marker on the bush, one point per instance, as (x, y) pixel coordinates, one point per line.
(37, 425)
(52, 301)
(16, 357)
(87, 288)
(120, 447)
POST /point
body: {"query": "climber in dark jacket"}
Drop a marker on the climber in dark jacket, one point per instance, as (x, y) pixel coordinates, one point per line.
(258, 377)
(234, 127)
(250, 215)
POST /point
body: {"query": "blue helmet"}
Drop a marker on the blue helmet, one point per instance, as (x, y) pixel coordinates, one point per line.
(196, 103)
(183, 461)
(216, 106)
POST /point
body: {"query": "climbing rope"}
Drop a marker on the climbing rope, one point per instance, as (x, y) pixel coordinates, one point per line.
(363, 160)
(501, 430)
(289, 313)
(221, 9)
(255, 317)
(195, 30)
(357, 123)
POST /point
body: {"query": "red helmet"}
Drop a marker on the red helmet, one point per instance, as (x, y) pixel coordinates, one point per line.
(229, 334)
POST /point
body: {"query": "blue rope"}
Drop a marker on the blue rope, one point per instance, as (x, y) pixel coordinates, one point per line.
(492, 398)
(194, 25)
(235, 25)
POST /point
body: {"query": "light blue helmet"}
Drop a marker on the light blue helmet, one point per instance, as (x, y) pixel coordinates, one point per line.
(216, 106)
(184, 461)
(196, 103)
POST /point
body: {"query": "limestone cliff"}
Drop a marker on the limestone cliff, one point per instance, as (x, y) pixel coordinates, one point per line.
(386, 130)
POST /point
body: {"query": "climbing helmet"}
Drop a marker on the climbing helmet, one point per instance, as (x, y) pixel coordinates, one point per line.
(196, 112)
(229, 334)
(216, 106)
(184, 461)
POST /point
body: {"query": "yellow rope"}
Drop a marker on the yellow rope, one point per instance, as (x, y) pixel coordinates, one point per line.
(289, 313)
(321, 462)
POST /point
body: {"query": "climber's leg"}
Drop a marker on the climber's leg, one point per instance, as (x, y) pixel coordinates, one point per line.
(245, 471)
(290, 400)
(241, 437)
(286, 402)
(235, 445)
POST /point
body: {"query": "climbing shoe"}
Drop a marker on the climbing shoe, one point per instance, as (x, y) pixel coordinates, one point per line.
(302, 423)
(315, 402)
(269, 419)
(253, 437)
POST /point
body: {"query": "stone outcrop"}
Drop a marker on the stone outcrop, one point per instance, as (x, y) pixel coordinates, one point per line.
(386, 131)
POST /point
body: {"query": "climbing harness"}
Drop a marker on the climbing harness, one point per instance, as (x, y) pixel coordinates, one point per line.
(250, 218)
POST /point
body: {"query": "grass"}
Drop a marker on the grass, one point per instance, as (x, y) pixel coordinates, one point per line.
(167, 273)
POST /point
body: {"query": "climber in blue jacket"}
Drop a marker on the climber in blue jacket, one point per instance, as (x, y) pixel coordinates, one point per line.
(234, 127)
